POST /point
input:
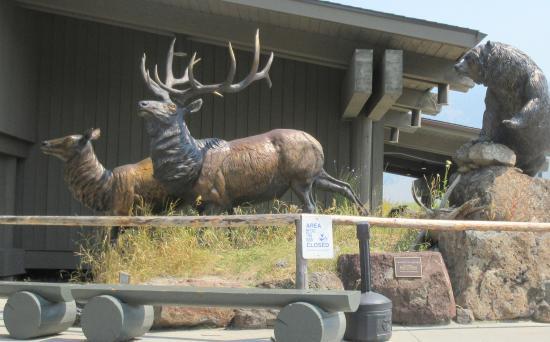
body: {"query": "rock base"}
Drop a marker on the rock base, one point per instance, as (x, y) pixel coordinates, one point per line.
(501, 275)
(169, 316)
(426, 300)
(475, 155)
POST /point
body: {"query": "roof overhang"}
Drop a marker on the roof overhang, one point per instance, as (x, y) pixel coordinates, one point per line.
(371, 20)
(427, 149)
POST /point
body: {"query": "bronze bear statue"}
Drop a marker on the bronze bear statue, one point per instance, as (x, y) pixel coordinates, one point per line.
(517, 105)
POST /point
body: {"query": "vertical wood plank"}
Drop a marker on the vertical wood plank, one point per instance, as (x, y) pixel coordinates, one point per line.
(242, 97)
(207, 113)
(139, 92)
(220, 70)
(47, 239)
(129, 63)
(310, 102)
(299, 96)
(113, 106)
(288, 94)
(264, 100)
(253, 106)
(276, 104)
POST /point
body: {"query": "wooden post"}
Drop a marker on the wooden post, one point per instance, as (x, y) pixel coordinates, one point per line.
(301, 263)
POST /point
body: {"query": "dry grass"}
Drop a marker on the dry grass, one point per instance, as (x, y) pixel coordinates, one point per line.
(249, 254)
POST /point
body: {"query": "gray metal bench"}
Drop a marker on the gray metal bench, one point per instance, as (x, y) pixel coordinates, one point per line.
(122, 312)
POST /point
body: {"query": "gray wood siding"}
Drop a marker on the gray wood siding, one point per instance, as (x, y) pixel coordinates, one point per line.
(89, 77)
(18, 70)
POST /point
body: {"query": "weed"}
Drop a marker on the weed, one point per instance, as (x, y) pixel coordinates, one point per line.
(250, 254)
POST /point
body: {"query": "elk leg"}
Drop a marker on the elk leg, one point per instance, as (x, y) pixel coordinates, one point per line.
(324, 175)
(312, 199)
(342, 188)
(303, 191)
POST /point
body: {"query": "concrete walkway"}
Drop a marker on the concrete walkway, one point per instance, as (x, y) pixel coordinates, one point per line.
(481, 332)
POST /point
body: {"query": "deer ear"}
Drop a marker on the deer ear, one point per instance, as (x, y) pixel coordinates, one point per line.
(92, 134)
(195, 106)
(96, 133)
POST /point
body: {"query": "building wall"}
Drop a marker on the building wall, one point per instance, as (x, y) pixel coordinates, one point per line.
(18, 94)
(89, 77)
(18, 71)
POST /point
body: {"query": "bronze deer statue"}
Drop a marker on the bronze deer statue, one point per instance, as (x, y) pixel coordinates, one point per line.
(251, 169)
(113, 192)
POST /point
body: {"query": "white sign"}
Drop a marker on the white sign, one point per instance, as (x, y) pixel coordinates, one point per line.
(317, 242)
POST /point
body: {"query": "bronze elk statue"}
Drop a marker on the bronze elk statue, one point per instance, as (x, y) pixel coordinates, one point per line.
(229, 173)
(113, 192)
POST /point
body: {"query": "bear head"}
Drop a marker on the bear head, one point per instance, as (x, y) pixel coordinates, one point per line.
(474, 63)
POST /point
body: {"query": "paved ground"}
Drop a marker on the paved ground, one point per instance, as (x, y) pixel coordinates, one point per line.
(483, 332)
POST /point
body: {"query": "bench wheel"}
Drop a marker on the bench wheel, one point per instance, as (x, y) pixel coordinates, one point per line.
(28, 315)
(303, 322)
(107, 319)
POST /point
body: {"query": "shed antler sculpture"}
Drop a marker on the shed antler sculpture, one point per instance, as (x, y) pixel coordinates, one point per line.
(226, 174)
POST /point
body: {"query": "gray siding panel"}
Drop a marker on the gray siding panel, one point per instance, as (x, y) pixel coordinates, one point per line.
(89, 77)
(18, 70)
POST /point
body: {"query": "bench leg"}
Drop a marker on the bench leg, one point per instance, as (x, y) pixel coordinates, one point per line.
(303, 322)
(27, 315)
(107, 319)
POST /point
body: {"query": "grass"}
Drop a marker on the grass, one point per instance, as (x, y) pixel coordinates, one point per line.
(250, 255)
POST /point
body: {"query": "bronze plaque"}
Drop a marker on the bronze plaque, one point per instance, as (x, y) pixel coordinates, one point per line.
(408, 267)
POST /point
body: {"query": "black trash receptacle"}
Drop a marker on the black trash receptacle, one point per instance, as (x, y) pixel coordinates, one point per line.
(372, 322)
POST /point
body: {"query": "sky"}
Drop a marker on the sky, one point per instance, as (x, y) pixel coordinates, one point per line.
(524, 24)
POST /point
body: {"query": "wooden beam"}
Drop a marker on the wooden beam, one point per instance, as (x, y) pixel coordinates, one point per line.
(443, 94)
(416, 118)
(314, 48)
(417, 99)
(269, 220)
(428, 68)
(394, 135)
(357, 86)
(400, 120)
(387, 84)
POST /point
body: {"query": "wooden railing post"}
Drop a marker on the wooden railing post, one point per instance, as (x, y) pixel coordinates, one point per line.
(301, 263)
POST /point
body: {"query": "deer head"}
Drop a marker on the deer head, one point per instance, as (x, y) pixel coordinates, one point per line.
(67, 147)
(176, 103)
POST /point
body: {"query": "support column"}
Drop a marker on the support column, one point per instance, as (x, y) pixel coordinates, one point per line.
(377, 166)
(362, 155)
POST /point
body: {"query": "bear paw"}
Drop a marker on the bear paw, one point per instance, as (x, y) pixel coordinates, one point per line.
(514, 123)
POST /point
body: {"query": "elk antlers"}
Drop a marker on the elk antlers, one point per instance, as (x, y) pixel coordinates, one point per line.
(182, 96)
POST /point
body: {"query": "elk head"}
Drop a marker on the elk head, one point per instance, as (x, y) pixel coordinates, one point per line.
(67, 147)
(161, 115)
(179, 102)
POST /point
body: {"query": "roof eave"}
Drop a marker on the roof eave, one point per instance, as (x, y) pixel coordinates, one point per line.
(368, 19)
